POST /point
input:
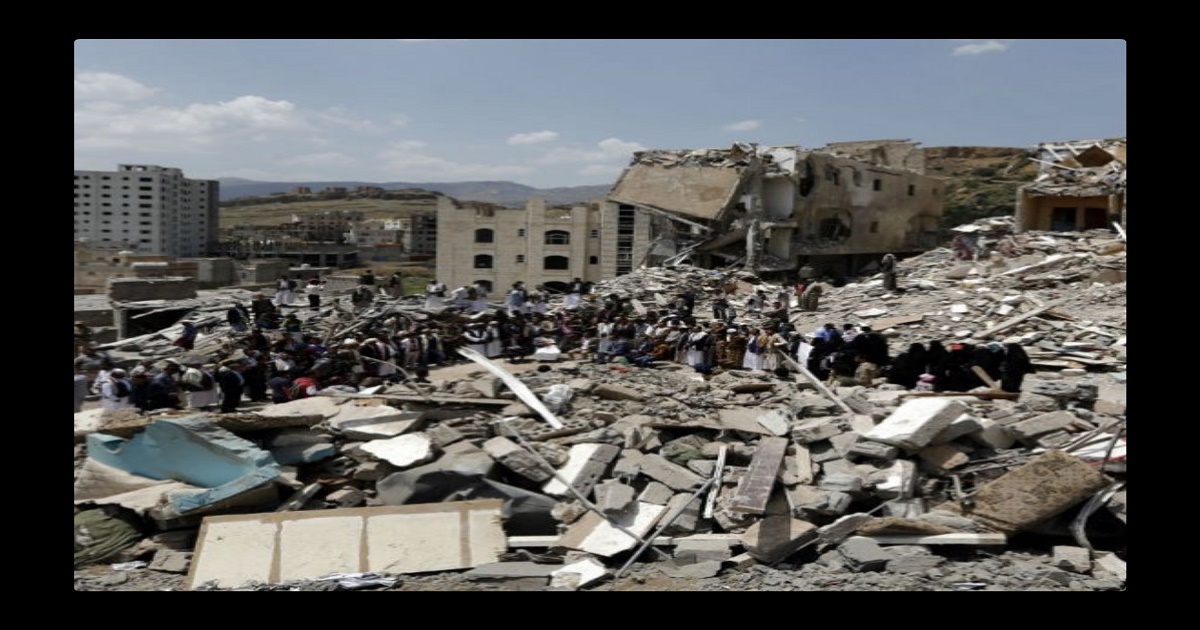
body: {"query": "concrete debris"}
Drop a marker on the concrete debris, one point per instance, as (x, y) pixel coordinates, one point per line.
(607, 448)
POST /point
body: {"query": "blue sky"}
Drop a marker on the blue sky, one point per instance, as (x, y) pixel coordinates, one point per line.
(565, 112)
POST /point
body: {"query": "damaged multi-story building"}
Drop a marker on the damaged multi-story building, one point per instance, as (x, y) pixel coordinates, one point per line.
(1080, 186)
(773, 210)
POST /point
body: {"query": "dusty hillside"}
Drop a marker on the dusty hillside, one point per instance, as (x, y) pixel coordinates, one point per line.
(983, 181)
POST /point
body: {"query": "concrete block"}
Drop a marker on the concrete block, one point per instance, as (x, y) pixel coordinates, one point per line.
(320, 406)
(372, 471)
(742, 561)
(776, 421)
(905, 508)
(811, 502)
(611, 391)
(281, 546)
(613, 497)
(170, 561)
(443, 435)
(402, 451)
(861, 423)
(1111, 564)
(993, 435)
(347, 497)
(797, 467)
(577, 574)
(843, 442)
(656, 493)
(838, 530)
(515, 458)
(504, 571)
(899, 481)
(1073, 559)
(672, 475)
(873, 450)
(586, 464)
(628, 465)
(816, 429)
(694, 551)
(849, 484)
(940, 458)
(595, 535)
(489, 386)
(690, 514)
(776, 537)
(702, 467)
(961, 426)
(863, 554)
(915, 423)
(1044, 487)
(1029, 430)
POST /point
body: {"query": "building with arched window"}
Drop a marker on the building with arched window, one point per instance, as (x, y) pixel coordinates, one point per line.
(538, 244)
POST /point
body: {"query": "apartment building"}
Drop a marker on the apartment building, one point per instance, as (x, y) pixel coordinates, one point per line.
(148, 209)
(538, 244)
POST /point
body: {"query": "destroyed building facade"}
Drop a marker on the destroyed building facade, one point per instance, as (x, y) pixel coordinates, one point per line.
(537, 244)
(1080, 186)
(775, 209)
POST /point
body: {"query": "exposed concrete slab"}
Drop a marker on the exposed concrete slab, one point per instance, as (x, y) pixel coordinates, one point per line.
(1044, 487)
(962, 425)
(755, 489)
(776, 421)
(940, 539)
(402, 451)
(916, 422)
(899, 481)
(323, 406)
(838, 530)
(373, 422)
(656, 493)
(593, 534)
(672, 475)
(816, 429)
(1029, 430)
(692, 570)
(613, 497)
(271, 548)
(993, 435)
(611, 391)
(693, 551)
(586, 464)
(1073, 559)
(509, 570)
(940, 458)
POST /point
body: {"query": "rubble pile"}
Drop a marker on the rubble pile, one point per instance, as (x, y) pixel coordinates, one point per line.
(610, 477)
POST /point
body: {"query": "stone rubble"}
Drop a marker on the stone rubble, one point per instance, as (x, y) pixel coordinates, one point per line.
(638, 443)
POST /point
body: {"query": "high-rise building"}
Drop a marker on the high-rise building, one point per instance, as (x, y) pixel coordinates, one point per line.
(149, 209)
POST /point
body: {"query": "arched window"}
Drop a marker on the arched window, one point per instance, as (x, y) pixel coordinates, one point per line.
(558, 237)
(484, 235)
(556, 262)
(483, 261)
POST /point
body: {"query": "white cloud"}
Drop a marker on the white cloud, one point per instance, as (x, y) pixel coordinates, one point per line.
(607, 150)
(980, 46)
(104, 86)
(534, 137)
(405, 161)
(743, 125)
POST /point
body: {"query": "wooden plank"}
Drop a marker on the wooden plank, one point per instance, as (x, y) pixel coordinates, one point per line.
(985, 377)
(941, 539)
(755, 489)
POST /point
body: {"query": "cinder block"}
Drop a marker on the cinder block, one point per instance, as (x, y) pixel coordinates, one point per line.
(873, 450)
(694, 551)
(993, 435)
(962, 425)
(611, 391)
(510, 455)
(613, 497)
(1029, 430)
(586, 465)
(628, 465)
(915, 423)
(688, 521)
(816, 429)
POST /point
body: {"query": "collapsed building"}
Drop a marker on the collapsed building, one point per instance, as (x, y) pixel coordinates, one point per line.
(561, 478)
(773, 210)
(1080, 186)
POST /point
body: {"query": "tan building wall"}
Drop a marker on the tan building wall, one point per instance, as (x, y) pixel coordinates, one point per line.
(535, 244)
(1064, 214)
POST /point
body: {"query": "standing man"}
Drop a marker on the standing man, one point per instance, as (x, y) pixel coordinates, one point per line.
(888, 267)
(313, 291)
(435, 294)
(396, 284)
(367, 279)
(284, 289)
(231, 383)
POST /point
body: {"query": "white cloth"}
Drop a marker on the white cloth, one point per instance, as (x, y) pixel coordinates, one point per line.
(109, 398)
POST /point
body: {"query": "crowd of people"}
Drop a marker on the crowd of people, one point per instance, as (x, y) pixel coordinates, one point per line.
(276, 357)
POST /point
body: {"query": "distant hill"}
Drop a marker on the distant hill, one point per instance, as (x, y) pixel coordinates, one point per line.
(502, 193)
